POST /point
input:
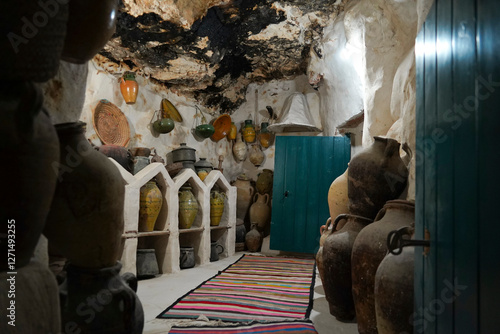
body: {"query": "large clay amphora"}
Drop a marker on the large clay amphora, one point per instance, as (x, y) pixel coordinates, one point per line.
(376, 175)
(337, 266)
(216, 207)
(30, 145)
(85, 222)
(244, 193)
(368, 251)
(395, 277)
(338, 201)
(188, 207)
(260, 212)
(118, 309)
(151, 200)
(264, 183)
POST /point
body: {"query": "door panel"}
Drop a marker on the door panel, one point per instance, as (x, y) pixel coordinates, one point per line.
(304, 169)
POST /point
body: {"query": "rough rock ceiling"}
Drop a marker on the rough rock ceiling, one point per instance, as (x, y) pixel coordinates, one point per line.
(212, 49)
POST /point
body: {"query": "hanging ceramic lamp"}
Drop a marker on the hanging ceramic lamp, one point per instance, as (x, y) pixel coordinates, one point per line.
(129, 87)
(295, 116)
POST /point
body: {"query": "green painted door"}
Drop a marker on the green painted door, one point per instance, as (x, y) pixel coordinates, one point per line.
(304, 168)
(457, 284)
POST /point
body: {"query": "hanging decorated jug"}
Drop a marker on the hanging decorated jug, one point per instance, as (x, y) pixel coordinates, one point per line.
(260, 212)
(216, 207)
(256, 156)
(240, 149)
(248, 131)
(188, 207)
(151, 200)
(129, 87)
(368, 251)
(337, 251)
(376, 175)
(265, 136)
(233, 131)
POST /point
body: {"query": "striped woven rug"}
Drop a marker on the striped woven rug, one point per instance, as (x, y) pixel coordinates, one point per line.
(295, 327)
(254, 288)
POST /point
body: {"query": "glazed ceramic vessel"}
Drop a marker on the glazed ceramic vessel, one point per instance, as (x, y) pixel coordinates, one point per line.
(216, 207)
(233, 131)
(248, 131)
(376, 175)
(395, 277)
(151, 200)
(264, 183)
(369, 249)
(188, 207)
(337, 251)
(265, 137)
(31, 146)
(85, 222)
(129, 87)
(240, 149)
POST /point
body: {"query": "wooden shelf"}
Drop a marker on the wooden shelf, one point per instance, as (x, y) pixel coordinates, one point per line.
(153, 233)
(212, 228)
(191, 230)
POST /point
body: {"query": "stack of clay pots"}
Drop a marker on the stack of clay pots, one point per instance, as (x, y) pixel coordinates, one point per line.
(352, 248)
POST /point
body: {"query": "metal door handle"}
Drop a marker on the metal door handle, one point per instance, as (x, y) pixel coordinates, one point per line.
(396, 240)
(286, 194)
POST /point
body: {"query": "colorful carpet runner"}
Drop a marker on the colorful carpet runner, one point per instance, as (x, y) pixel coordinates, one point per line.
(254, 288)
(296, 327)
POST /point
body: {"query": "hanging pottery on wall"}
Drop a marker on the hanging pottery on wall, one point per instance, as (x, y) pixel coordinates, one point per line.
(240, 149)
(203, 129)
(233, 131)
(129, 87)
(188, 207)
(256, 156)
(151, 200)
(163, 124)
(265, 136)
(248, 131)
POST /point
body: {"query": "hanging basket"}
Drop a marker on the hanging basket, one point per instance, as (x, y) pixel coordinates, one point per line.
(110, 124)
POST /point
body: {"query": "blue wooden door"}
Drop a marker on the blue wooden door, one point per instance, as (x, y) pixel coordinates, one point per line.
(457, 285)
(304, 168)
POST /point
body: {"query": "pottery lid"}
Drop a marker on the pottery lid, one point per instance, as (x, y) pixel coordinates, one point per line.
(183, 147)
(243, 177)
(203, 163)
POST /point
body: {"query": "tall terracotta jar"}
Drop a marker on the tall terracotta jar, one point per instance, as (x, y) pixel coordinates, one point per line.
(216, 207)
(368, 251)
(264, 183)
(85, 222)
(376, 175)
(151, 200)
(129, 87)
(337, 251)
(260, 212)
(188, 207)
(338, 201)
(240, 149)
(394, 294)
(244, 193)
(91, 23)
(31, 149)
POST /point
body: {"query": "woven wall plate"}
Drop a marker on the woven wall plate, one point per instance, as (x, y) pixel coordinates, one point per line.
(110, 124)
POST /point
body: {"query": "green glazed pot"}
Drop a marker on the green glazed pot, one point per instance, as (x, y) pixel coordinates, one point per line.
(188, 208)
(164, 125)
(205, 130)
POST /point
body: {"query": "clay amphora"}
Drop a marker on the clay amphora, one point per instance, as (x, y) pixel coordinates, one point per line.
(120, 310)
(376, 175)
(240, 149)
(151, 200)
(129, 87)
(248, 131)
(188, 207)
(260, 212)
(264, 183)
(337, 266)
(256, 156)
(253, 239)
(85, 222)
(216, 207)
(368, 251)
(91, 23)
(30, 144)
(394, 292)
(244, 193)
(338, 201)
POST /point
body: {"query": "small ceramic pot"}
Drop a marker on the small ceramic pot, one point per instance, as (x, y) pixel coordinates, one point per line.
(187, 259)
(216, 249)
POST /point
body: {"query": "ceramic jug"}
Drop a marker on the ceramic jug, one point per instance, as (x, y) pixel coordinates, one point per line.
(129, 87)
(337, 251)
(376, 175)
(188, 207)
(260, 212)
(216, 207)
(216, 249)
(368, 251)
(240, 149)
(256, 156)
(248, 131)
(150, 203)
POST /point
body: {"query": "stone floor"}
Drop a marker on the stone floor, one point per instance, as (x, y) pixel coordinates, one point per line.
(158, 293)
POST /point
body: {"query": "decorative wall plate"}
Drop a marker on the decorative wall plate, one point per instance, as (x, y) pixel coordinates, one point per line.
(110, 124)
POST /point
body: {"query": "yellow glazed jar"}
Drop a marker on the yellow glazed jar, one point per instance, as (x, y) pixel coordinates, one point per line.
(216, 207)
(151, 201)
(249, 131)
